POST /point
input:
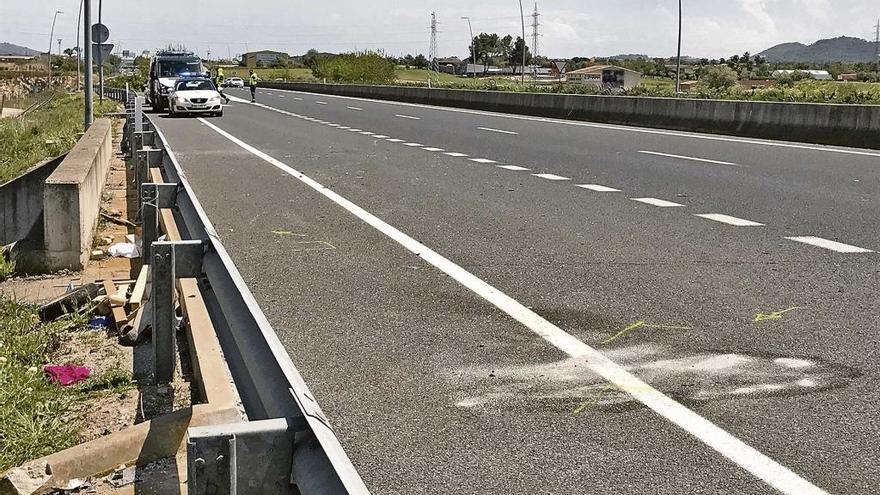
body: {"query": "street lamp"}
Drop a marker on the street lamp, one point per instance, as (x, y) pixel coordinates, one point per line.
(523, 19)
(49, 52)
(678, 64)
(473, 47)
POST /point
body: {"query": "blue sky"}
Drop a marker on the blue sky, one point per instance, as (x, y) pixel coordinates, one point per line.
(713, 28)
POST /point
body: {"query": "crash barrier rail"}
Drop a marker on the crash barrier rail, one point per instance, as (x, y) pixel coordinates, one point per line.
(286, 441)
(833, 124)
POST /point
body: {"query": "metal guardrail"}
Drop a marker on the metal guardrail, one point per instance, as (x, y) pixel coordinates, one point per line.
(287, 444)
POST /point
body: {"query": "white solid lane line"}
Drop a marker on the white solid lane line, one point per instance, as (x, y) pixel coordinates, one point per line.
(456, 154)
(617, 127)
(357, 109)
(482, 160)
(434, 150)
(831, 245)
(747, 457)
(499, 131)
(321, 102)
(690, 158)
(662, 203)
(598, 188)
(551, 176)
(738, 222)
(407, 117)
(515, 168)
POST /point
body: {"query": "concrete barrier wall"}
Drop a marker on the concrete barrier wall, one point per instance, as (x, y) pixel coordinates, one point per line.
(72, 198)
(842, 125)
(21, 204)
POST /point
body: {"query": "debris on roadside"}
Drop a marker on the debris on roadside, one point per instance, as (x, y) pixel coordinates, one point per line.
(69, 303)
(116, 217)
(67, 374)
(123, 476)
(124, 250)
(27, 480)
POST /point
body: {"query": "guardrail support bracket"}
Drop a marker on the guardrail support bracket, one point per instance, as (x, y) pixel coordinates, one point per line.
(154, 197)
(248, 458)
(170, 261)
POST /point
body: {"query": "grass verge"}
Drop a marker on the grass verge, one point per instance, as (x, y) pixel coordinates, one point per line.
(43, 133)
(7, 267)
(35, 415)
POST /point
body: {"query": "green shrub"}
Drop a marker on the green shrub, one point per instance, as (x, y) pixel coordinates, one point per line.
(361, 67)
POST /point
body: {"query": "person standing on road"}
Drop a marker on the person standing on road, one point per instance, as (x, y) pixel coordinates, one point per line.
(253, 84)
(218, 81)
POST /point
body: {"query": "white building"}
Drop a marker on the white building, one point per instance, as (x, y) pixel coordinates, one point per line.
(606, 76)
(819, 75)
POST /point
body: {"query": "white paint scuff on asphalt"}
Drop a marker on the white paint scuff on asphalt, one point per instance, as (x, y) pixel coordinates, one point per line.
(750, 459)
(729, 220)
(660, 203)
(838, 247)
(499, 131)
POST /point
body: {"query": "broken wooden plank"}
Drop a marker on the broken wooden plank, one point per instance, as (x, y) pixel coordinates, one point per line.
(137, 294)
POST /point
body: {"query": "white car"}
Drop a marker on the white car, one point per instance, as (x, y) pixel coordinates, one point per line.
(235, 82)
(194, 96)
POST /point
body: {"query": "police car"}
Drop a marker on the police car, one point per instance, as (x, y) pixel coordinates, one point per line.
(194, 95)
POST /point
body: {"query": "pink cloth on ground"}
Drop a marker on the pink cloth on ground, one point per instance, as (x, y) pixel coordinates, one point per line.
(67, 374)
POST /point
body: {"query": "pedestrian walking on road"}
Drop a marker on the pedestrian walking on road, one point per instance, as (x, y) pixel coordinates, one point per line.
(253, 84)
(219, 79)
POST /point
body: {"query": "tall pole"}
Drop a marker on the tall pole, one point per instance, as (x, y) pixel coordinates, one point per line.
(473, 47)
(522, 18)
(87, 44)
(78, 48)
(678, 63)
(877, 42)
(100, 59)
(49, 52)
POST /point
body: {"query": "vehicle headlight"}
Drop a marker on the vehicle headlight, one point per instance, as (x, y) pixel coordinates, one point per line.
(214, 98)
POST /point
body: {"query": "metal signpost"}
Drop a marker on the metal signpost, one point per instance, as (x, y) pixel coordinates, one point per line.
(560, 68)
(100, 34)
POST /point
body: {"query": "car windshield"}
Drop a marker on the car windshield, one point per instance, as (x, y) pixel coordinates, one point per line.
(171, 68)
(197, 85)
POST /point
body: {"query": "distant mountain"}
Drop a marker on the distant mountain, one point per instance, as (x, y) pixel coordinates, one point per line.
(843, 49)
(10, 49)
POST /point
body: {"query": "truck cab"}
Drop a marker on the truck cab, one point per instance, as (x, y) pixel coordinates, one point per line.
(165, 70)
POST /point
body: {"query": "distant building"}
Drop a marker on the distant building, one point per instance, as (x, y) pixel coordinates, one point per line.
(819, 75)
(606, 76)
(848, 77)
(448, 65)
(749, 84)
(263, 58)
(21, 63)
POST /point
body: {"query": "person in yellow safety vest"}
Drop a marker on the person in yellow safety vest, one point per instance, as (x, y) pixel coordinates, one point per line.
(253, 84)
(218, 81)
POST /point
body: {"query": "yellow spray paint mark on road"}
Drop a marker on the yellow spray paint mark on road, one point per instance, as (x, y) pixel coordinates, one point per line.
(776, 315)
(641, 324)
(594, 400)
(288, 233)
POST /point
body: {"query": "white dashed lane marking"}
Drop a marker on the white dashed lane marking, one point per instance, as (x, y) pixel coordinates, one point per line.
(429, 148)
(407, 117)
(662, 203)
(381, 136)
(482, 160)
(513, 167)
(499, 131)
(367, 133)
(551, 177)
(395, 140)
(356, 109)
(297, 98)
(413, 145)
(455, 154)
(598, 188)
(691, 158)
(830, 245)
(321, 102)
(738, 222)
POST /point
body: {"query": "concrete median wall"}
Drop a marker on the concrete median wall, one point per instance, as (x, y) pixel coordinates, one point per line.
(841, 125)
(21, 204)
(72, 198)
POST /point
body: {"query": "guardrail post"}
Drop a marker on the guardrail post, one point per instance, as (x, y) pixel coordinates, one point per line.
(255, 457)
(154, 197)
(144, 159)
(170, 261)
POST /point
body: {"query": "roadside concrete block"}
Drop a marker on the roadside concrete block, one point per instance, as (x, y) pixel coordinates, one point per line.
(26, 480)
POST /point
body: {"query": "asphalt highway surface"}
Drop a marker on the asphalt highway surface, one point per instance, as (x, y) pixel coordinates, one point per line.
(488, 303)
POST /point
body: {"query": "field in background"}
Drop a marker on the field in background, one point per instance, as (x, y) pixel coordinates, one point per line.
(45, 132)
